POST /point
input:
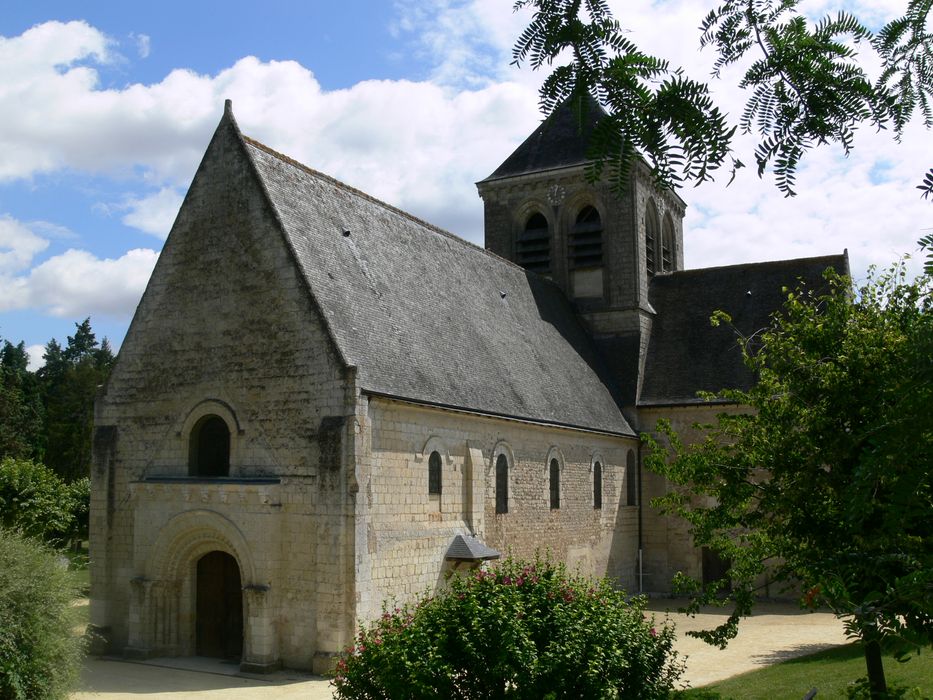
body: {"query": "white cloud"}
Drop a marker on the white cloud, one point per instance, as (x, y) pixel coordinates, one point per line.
(417, 144)
(143, 44)
(36, 354)
(842, 202)
(422, 145)
(18, 245)
(51, 230)
(77, 284)
(154, 214)
(469, 43)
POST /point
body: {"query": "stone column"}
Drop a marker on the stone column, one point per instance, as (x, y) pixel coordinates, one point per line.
(475, 475)
(139, 642)
(260, 648)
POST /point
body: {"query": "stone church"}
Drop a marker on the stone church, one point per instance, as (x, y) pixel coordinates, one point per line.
(324, 403)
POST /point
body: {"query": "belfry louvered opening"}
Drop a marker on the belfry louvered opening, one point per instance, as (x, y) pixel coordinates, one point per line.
(652, 234)
(586, 239)
(667, 246)
(533, 247)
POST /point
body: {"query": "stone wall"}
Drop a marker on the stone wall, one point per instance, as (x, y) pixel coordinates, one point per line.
(226, 327)
(403, 532)
(668, 544)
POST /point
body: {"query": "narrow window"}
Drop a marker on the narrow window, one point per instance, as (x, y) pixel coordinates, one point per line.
(434, 474)
(652, 233)
(631, 480)
(533, 248)
(586, 240)
(502, 484)
(209, 448)
(597, 485)
(667, 246)
(555, 484)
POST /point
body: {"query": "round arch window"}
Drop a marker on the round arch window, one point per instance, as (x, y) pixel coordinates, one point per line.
(209, 448)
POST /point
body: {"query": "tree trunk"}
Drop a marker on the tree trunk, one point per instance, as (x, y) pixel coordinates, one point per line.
(876, 682)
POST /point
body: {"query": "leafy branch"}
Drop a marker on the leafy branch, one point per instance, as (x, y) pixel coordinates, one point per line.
(653, 109)
(806, 85)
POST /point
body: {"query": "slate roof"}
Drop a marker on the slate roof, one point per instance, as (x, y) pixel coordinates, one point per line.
(685, 353)
(557, 143)
(468, 548)
(427, 317)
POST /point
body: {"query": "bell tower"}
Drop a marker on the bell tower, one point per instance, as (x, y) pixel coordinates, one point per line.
(601, 247)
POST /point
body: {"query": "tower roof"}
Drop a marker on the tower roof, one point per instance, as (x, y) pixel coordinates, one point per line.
(560, 141)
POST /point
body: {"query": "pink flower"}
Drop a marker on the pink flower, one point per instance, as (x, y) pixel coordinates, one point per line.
(653, 632)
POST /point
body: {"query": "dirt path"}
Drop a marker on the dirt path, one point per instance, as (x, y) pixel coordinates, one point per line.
(775, 633)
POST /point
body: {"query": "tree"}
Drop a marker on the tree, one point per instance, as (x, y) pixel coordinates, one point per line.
(826, 481)
(70, 380)
(520, 630)
(21, 411)
(806, 85)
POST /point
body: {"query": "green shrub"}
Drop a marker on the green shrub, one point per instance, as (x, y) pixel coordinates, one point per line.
(39, 656)
(521, 630)
(36, 502)
(80, 492)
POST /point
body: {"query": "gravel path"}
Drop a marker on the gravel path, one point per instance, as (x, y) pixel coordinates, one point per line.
(775, 633)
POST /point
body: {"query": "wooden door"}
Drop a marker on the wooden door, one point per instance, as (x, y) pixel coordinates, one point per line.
(715, 568)
(219, 607)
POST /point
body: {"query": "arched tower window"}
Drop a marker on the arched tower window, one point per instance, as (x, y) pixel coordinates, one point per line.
(652, 236)
(434, 474)
(533, 248)
(555, 483)
(502, 484)
(209, 447)
(586, 239)
(667, 245)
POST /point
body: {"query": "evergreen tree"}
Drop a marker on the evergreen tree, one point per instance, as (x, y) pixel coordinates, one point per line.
(48, 415)
(21, 410)
(70, 380)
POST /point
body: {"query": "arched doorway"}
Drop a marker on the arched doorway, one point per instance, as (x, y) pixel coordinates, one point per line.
(219, 607)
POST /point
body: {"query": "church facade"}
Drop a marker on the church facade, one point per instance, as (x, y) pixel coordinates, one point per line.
(324, 403)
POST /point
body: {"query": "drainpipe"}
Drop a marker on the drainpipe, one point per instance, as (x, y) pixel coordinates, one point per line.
(641, 587)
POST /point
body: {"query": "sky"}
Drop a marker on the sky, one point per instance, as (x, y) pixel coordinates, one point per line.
(106, 109)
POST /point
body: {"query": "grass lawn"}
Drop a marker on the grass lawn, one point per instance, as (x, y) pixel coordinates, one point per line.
(828, 671)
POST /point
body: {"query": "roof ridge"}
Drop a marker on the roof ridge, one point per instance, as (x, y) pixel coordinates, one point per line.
(411, 217)
(696, 270)
(375, 200)
(481, 367)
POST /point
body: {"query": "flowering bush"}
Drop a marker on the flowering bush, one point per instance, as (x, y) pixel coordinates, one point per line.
(521, 630)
